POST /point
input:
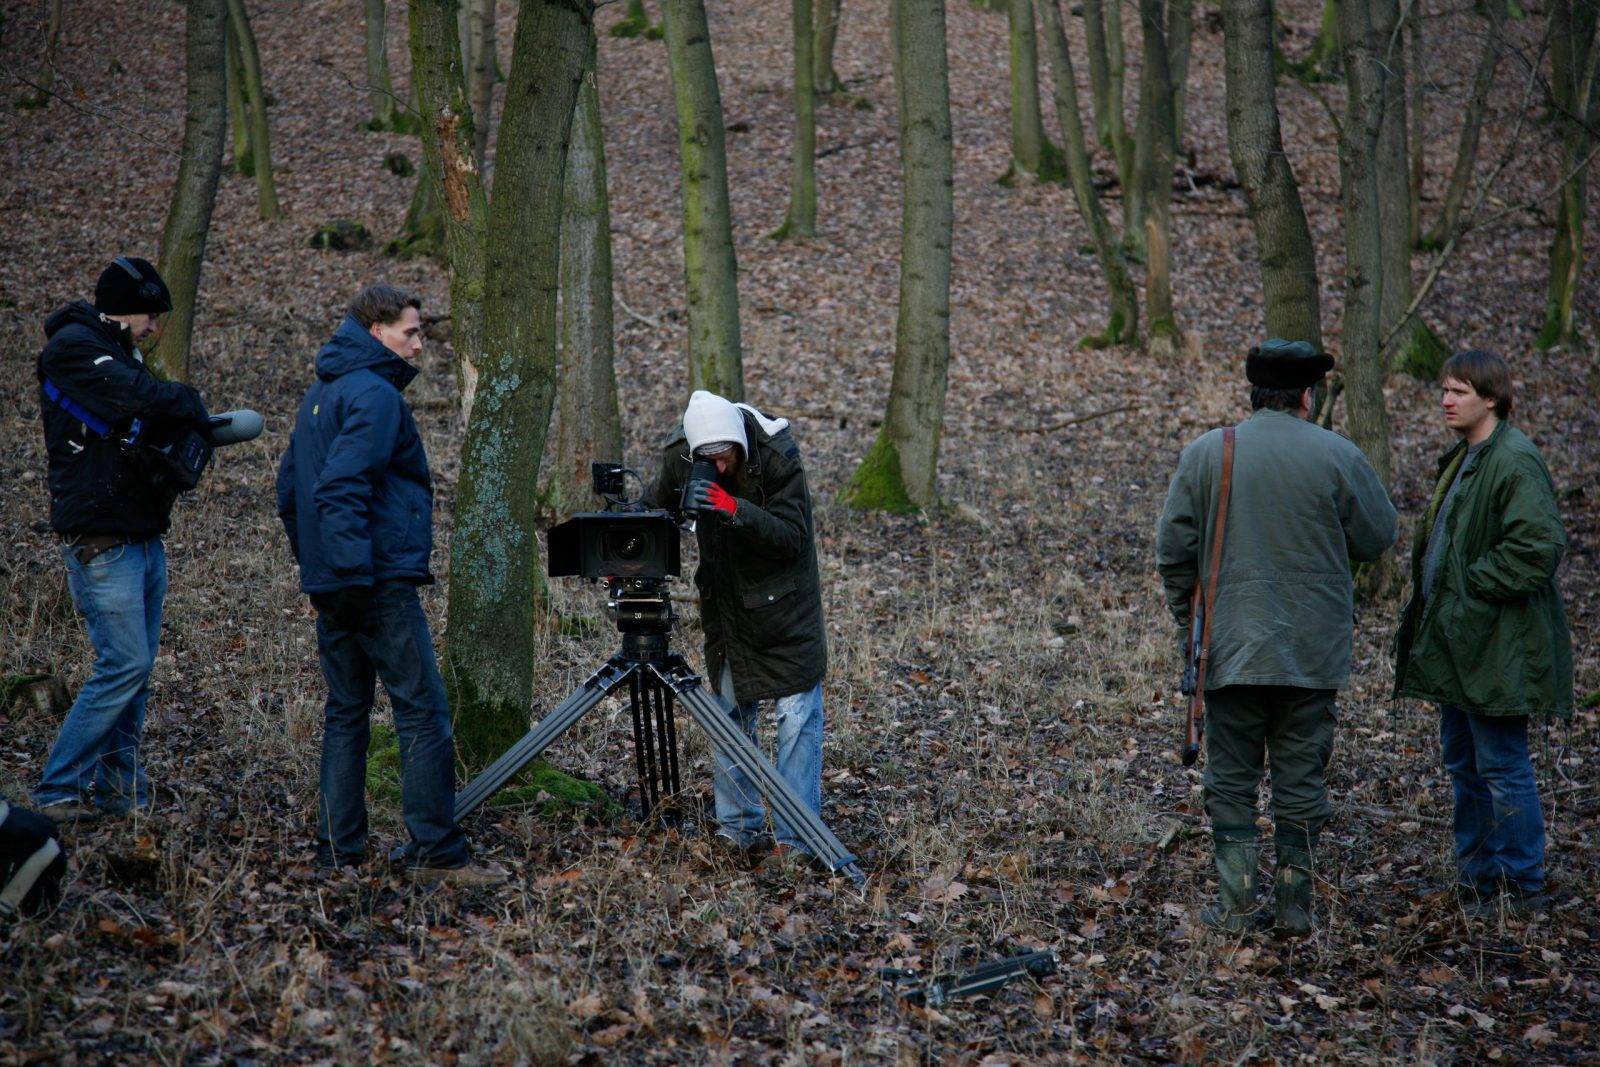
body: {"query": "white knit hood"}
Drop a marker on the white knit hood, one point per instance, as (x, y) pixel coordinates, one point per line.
(710, 418)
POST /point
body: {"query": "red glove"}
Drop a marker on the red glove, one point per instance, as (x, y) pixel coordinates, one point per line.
(711, 495)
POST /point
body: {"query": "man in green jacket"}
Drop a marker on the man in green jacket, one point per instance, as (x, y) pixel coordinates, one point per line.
(760, 595)
(1484, 635)
(1304, 503)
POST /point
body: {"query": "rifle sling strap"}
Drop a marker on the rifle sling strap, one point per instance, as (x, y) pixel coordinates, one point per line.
(1216, 559)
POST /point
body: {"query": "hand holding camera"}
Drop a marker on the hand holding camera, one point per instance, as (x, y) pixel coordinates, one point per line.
(709, 496)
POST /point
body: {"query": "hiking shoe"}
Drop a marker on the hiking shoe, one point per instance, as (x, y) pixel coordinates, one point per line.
(469, 874)
(71, 811)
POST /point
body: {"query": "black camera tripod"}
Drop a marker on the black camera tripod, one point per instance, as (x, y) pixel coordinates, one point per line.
(657, 678)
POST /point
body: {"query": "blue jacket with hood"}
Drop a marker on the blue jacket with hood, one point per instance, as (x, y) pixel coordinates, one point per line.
(354, 490)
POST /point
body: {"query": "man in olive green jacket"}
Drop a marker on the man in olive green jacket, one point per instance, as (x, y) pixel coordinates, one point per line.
(1484, 635)
(1305, 502)
(760, 594)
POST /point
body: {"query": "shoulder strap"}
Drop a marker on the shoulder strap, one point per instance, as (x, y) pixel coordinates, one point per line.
(95, 423)
(1216, 541)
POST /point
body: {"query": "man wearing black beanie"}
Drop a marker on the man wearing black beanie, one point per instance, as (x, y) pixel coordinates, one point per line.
(1303, 502)
(96, 398)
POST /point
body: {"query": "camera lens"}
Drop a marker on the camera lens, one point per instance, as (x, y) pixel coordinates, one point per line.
(626, 544)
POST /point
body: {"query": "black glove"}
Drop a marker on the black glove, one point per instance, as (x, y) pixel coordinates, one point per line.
(345, 609)
(711, 497)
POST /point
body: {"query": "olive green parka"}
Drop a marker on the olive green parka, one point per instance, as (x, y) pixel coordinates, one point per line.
(760, 593)
(1491, 636)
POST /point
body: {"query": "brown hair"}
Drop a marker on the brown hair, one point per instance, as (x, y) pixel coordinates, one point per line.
(1488, 375)
(382, 303)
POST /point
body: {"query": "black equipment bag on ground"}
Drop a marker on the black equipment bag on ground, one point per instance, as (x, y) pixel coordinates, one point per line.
(33, 863)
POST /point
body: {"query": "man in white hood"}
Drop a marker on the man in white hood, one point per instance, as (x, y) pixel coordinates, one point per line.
(760, 596)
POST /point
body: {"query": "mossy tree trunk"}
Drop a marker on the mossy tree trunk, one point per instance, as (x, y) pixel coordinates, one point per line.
(1029, 149)
(801, 221)
(1575, 88)
(1154, 166)
(1123, 324)
(636, 23)
(1365, 47)
(899, 471)
(255, 94)
(1284, 248)
(497, 588)
(238, 110)
(824, 79)
(1324, 60)
(587, 424)
(711, 274)
(380, 92)
(449, 142)
(422, 233)
(1117, 60)
(1180, 43)
(1455, 192)
(205, 134)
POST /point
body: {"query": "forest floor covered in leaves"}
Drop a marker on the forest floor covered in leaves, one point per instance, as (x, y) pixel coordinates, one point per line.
(1002, 722)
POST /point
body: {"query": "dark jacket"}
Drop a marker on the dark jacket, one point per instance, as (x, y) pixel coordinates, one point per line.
(354, 490)
(1491, 636)
(760, 595)
(1305, 502)
(97, 485)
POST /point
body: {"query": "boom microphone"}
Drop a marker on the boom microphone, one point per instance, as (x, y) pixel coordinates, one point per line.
(232, 427)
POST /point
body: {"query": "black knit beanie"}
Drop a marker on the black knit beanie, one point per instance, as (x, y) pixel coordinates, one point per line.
(131, 286)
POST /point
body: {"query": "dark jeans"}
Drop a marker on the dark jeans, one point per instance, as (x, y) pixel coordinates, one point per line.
(392, 644)
(1499, 823)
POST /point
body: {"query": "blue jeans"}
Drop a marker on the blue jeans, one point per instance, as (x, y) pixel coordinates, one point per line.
(1499, 824)
(740, 815)
(392, 644)
(119, 593)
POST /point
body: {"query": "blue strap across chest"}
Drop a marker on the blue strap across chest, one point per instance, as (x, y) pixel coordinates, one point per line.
(95, 423)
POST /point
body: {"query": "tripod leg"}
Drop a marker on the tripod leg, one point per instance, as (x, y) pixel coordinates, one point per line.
(737, 747)
(638, 745)
(669, 755)
(542, 736)
(672, 741)
(640, 694)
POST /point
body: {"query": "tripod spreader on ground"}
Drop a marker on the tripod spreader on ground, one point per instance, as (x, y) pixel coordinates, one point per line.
(657, 678)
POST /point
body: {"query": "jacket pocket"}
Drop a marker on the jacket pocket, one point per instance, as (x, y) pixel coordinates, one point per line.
(769, 593)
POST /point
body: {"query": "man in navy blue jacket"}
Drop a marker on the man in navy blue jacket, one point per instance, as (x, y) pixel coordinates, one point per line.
(356, 498)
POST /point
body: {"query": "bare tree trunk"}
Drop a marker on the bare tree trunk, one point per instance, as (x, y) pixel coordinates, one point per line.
(1471, 127)
(422, 233)
(449, 141)
(1154, 166)
(205, 133)
(53, 19)
(1364, 49)
(1116, 73)
(1027, 129)
(801, 221)
(380, 93)
(1180, 42)
(1094, 35)
(1123, 325)
(478, 61)
(1285, 250)
(710, 270)
(238, 109)
(497, 590)
(1575, 88)
(1416, 114)
(825, 80)
(587, 423)
(255, 92)
(1414, 348)
(1324, 59)
(899, 471)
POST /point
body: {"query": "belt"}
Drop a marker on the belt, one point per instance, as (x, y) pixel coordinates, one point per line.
(85, 547)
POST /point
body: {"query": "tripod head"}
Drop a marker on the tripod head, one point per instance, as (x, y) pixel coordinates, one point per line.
(642, 610)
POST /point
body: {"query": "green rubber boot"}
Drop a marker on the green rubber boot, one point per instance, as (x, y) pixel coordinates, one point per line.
(1296, 846)
(1238, 852)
